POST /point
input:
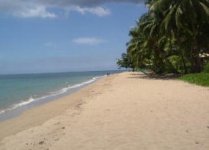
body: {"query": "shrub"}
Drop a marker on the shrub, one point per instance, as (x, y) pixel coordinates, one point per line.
(206, 68)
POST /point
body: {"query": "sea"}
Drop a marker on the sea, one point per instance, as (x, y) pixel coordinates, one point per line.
(23, 91)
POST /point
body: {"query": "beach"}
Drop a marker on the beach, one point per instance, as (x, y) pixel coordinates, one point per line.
(124, 111)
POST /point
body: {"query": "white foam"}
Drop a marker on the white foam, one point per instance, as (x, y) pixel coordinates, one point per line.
(56, 93)
(23, 103)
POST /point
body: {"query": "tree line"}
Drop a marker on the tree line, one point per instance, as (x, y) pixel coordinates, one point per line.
(171, 37)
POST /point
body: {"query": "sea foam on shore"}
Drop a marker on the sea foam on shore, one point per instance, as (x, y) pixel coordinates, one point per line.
(65, 84)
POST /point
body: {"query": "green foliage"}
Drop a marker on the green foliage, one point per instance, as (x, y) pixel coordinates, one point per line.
(197, 78)
(206, 68)
(176, 64)
(170, 37)
(125, 61)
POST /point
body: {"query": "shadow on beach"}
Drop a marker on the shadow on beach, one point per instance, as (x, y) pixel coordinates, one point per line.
(141, 75)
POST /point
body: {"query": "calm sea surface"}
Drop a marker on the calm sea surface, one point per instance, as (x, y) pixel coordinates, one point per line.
(20, 90)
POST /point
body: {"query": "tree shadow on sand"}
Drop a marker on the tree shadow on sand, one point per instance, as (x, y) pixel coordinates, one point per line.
(153, 76)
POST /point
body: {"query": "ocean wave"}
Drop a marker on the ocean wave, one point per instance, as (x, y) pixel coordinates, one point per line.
(50, 95)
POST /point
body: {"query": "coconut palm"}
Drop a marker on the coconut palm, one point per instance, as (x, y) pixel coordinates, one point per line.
(185, 19)
(172, 34)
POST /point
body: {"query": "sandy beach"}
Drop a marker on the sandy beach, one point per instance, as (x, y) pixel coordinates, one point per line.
(126, 111)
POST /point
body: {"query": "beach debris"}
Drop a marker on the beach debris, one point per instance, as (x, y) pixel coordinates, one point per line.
(196, 142)
(41, 142)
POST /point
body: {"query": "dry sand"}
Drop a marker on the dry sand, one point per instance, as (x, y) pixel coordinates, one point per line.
(126, 111)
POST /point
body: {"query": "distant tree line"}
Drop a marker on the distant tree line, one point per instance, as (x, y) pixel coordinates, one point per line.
(173, 36)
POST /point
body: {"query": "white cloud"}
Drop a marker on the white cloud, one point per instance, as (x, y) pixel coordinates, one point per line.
(88, 41)
(99, 11)
(40, 8)
(38, 11)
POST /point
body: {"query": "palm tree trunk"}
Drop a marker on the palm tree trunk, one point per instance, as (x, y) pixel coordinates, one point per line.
(184, 63)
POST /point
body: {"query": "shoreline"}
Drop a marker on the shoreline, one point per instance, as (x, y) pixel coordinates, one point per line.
(64, 101)
(121, 111)
(17, 109)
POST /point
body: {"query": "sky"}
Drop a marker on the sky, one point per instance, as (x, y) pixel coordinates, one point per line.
(38, 36)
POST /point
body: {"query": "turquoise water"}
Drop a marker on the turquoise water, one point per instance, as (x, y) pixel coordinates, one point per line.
(20, 90)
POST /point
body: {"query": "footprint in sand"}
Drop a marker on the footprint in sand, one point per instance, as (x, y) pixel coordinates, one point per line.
(41, 143)
(57, 123)
(196, 142)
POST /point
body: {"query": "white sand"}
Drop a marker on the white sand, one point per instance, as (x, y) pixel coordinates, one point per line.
(121, 112)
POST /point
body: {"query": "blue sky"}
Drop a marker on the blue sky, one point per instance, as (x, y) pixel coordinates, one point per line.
(71, 36)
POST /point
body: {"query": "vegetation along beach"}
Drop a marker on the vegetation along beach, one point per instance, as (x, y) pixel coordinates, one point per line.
(104, 75)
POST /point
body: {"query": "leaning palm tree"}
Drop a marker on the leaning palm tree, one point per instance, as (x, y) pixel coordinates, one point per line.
(172, 33)
(185, 20)
(150, 26)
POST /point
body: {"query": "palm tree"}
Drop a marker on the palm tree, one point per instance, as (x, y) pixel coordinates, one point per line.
(150, 26)
(185, 20)
(171, 36)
